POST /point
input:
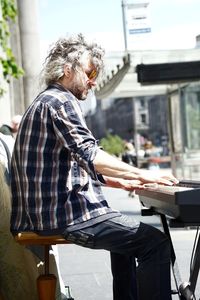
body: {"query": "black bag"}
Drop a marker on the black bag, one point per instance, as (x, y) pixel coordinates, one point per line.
(7, 170)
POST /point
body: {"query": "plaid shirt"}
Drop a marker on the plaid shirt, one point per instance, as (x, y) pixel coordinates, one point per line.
(53, 181)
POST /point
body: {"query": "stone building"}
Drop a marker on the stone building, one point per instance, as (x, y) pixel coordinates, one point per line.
(24, 41)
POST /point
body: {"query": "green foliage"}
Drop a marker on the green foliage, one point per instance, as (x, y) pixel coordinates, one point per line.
(7, 59)
(113, 144)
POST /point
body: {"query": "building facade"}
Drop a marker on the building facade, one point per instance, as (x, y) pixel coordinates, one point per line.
(24, 42)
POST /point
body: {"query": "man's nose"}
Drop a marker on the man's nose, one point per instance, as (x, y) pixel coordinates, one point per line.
(91, 83)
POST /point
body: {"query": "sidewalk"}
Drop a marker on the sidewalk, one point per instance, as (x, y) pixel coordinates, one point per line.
(87, 272)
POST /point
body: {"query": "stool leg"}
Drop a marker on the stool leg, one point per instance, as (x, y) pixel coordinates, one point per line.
(46, 259)
(46, 283)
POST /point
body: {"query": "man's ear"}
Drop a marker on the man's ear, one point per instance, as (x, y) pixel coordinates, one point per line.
(67, 70)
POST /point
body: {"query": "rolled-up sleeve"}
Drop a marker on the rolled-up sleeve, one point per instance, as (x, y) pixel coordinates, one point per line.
(73, 133)
(85, 159)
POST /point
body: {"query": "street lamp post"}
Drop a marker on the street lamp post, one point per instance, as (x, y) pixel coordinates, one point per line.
(124, 23)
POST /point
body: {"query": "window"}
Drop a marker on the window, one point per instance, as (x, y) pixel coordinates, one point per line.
(143, 118)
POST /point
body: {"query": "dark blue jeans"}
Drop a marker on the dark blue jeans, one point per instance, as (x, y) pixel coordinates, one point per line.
(127, 240)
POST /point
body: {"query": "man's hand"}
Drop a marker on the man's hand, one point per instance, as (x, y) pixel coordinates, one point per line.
(131, 185)
(128, 185)
(147, 176)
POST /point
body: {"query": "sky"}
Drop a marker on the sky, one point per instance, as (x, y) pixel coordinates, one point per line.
(174, 23)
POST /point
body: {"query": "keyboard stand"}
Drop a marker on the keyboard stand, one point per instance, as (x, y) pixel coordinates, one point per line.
(184, 290)
(195, 266)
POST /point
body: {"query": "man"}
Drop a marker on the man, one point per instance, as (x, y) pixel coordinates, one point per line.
(13, 127)
(6, 147)
(58, 168)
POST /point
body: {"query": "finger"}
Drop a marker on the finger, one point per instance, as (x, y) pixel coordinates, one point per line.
(135, 182)
(172, 179)
(133, 187)
(150, 185)
(165, 181)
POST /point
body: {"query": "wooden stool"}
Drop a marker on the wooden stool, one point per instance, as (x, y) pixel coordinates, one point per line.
(46, 283)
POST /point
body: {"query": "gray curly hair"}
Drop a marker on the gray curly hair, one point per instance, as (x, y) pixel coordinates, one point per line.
(69, 50)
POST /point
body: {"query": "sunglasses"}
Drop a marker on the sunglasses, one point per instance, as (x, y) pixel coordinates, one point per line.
(92, 75)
